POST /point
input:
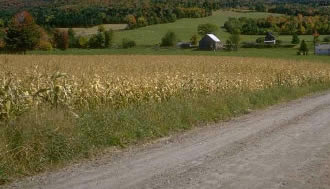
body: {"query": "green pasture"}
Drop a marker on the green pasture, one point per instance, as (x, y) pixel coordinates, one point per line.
(184, 28)
(148, 38)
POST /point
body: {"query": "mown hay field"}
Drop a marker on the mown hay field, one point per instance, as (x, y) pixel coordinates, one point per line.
(57, 108)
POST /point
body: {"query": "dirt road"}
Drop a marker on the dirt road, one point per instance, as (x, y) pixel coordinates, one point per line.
(285, 146)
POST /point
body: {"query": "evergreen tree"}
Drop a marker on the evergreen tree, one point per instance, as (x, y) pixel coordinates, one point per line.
(303, 48)
(23, 33)
(295, 39)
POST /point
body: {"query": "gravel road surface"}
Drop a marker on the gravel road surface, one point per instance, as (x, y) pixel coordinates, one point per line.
(284, 146)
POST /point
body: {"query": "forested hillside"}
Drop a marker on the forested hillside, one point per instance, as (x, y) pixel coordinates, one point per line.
(139, 13)
(74, 13)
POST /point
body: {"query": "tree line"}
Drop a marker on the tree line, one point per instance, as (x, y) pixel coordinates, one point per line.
(280, 24)
(138, 13)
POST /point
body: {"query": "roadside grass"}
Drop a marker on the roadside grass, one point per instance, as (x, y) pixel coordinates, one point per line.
(49, 138)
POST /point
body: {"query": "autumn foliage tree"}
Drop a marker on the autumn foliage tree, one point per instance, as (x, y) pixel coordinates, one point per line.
(23, 33)
(61, 39)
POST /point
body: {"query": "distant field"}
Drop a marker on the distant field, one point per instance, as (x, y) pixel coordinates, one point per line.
(185, 28)
(93, 30)
(148, 37)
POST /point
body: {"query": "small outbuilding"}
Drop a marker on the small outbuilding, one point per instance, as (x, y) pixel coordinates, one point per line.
(322, 49)
(184, 45)
(210, 42)
(270, 39)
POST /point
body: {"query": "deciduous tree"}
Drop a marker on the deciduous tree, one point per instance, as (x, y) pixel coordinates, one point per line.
(204, 29)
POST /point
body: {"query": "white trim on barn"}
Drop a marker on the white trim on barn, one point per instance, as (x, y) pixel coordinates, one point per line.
(213, 37)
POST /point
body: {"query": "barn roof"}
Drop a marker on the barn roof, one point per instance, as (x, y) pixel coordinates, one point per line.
(213, 37)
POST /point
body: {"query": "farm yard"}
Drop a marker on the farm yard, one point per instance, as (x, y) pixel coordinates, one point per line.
(66, 108)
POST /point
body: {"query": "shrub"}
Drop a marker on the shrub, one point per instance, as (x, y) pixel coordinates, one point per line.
(172, 18)
(141, 21)
(2, 45)
(303, 49)
(2, 23)
(83, 42)
(326, 39)
(295, 39)
(204, 29)
(97, 41)
(229, 45)
(61, 39)
(131, 21)
(101, 28)
(194, 39)
(127, 43)
(73, 41)
(108, 37)
(45, 46)
(169, 40)
(235, 39)
(2, 42)
(260, 40)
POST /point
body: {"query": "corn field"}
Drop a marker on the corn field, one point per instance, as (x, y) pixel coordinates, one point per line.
(80, 82)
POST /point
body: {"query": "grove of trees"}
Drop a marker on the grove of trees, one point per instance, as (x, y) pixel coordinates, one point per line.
(22, 34)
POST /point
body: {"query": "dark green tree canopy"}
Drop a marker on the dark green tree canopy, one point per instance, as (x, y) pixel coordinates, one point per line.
(295, 39)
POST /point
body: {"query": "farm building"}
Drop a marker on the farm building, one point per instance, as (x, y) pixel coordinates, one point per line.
(270, 39)
(184, 45)
(210, 42)
(322, 49)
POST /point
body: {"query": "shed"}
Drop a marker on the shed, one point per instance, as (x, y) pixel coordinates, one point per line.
(184, 45)
(322, 49)
(270, 38)
(210, 42)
